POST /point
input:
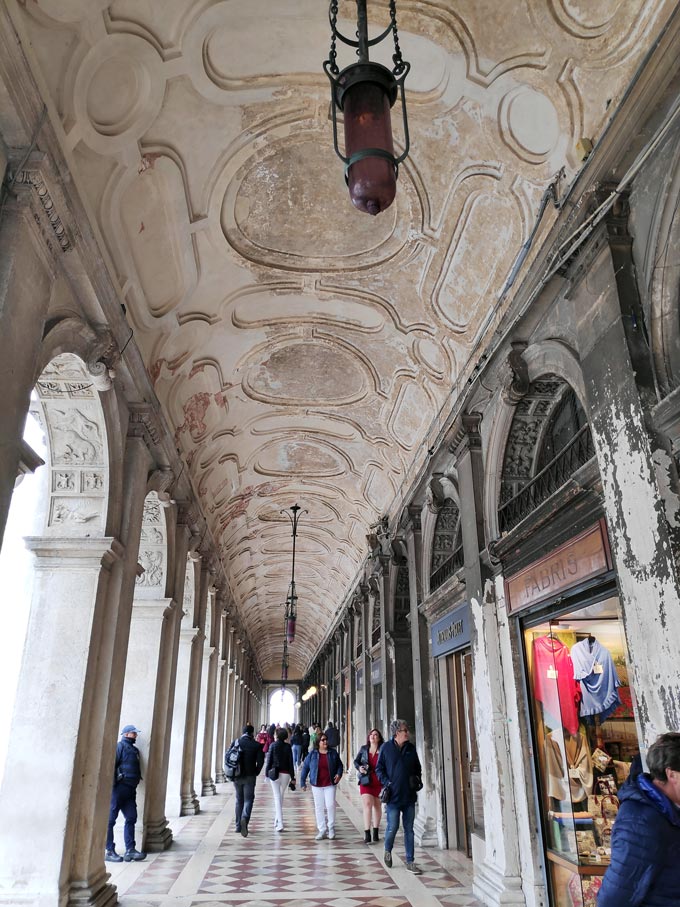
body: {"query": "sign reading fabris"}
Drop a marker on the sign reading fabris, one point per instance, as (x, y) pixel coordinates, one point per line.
(578, 560)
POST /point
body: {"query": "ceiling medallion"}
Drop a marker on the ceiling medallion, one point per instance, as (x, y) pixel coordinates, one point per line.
(365, 92)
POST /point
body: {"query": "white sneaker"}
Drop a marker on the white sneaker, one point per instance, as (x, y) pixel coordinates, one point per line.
(331, 833)
(320, 836)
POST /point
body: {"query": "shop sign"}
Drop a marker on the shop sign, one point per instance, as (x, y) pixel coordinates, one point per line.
(578, 560)
(376, 671)
(360, 678)
(451, 632)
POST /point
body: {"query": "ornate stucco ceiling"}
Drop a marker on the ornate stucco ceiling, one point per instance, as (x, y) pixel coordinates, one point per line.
(301, 350)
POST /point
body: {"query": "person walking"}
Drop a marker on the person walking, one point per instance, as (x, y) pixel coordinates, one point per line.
(333, 736)
(251, 760)
(305, 742)
(296, 744)
(279, 770)
(644, 868)
(399, 768)
(263, 738)
(126, 777)
(324, 768)
(369, 784)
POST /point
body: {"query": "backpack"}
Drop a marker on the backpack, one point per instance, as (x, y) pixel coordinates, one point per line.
(232, 761)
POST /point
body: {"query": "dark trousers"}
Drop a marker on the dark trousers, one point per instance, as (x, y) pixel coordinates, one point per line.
(123, 799)
(244, 788)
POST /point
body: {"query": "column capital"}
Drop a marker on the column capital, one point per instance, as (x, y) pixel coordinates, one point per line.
(74, 553)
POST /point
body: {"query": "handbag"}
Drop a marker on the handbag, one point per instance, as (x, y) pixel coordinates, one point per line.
(386, 794)
(273, 773)
(365, 780)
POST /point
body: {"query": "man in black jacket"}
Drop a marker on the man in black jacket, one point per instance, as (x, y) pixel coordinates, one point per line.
(399, 767)
(126, 776)
(251, 761)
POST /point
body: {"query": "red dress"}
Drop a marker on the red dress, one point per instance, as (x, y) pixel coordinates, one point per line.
(375, 786)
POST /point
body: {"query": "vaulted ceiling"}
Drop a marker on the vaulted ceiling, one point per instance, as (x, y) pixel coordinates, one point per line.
(302, 350)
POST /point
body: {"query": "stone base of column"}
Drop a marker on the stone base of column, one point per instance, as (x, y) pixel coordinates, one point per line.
(208, 789)
(190, 806)
(157, 836)
(93, 892)
(491, 887)
(220, 778)
(425, 830)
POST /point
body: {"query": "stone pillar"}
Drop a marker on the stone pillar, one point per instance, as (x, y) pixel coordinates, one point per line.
(423, 673)
(157, 834)
(207, 784)
(223, 679)
(231, 689)
(369, 717)
(78, 632)
(497, 878)
(190, 805)
(632, 466)
(26, 277)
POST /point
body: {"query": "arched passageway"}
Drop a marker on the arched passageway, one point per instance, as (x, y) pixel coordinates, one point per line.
(282, 707)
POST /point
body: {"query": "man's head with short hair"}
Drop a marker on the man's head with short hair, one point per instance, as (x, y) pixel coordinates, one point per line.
(282, 734)
(664, 754)
(399, 730)
(248, 729)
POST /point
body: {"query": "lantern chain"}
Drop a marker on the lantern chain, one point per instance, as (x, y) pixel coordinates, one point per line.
(332, 56)
(399, 65)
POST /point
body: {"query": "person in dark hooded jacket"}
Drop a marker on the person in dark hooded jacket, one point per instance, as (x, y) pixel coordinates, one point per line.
(645, 862)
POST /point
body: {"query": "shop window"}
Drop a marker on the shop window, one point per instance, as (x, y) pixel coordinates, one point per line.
(584, 740)
(447, 548)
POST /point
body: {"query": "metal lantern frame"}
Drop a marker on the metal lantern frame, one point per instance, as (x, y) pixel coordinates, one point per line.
(290, 617)
(392, 81)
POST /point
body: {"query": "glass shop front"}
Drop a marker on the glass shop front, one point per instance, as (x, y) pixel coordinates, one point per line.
(581, 707)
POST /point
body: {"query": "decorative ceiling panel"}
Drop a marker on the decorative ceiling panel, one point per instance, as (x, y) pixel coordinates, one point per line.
(301, 349)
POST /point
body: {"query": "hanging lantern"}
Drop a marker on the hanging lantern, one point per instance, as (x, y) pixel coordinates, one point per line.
(365, 92)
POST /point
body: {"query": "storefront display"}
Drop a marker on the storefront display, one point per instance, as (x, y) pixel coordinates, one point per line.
(584, 739)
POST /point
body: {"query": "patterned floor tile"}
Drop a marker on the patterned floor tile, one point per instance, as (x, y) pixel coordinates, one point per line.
(288, 869)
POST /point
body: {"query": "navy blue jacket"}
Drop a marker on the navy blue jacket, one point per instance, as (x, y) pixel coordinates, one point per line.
(127, 762)
(645, 866)
(280, 755)
(311, 766)
(252, 756)
(397, 765)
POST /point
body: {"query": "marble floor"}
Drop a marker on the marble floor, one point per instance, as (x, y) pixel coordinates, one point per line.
(210, 865)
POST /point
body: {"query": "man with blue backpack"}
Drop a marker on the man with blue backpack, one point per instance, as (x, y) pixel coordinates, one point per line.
(243, 762)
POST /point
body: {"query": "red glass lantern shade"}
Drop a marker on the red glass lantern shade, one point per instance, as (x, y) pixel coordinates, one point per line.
(372, 179)
(290, 630)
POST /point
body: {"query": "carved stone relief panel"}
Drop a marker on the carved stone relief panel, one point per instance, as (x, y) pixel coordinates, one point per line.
(78, 457)
(153, 550)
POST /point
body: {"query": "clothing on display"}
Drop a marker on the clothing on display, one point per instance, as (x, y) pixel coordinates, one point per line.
(595, 671)
(554, 683)
(569, 767)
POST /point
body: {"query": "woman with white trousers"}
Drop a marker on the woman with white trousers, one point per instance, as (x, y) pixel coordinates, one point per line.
(279, 770)
(324, 767)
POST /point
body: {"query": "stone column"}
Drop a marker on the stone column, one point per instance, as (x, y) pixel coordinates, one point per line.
(231, 689)
(78, 632)
(207, 784)
(190, 805)
(26, 277)
(635, 471)
(367, 697)
(223, 679)
(497, 877)
(157, 833)
(423, 673)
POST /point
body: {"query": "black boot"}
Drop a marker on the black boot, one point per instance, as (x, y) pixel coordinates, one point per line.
(375, 834)
(367, 837)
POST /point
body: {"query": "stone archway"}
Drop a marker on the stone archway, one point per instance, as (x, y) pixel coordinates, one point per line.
(282, 707)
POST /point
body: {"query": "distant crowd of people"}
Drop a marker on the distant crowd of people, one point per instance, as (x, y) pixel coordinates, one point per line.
(388, 772)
